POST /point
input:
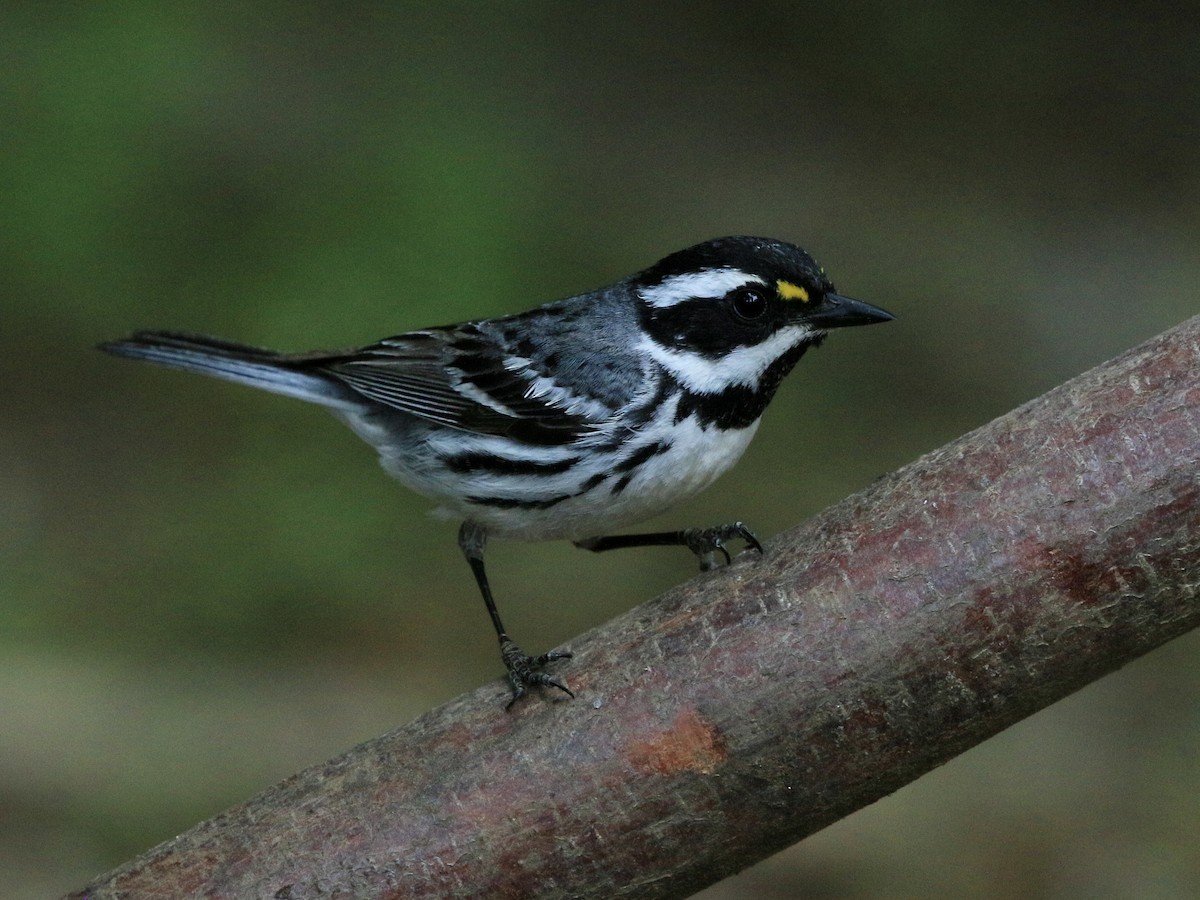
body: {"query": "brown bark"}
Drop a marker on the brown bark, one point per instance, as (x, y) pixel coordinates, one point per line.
(752, 706)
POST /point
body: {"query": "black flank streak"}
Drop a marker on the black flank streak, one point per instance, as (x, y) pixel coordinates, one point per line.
(488, 462)
(622, 483)
(512, 503)
(592, 482)
(543, 434)
(635, 459)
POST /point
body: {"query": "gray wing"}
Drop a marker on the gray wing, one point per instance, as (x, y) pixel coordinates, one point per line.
(488, 377)
(455, 377)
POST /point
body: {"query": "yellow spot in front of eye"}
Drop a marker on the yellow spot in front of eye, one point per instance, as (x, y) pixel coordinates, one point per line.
(789, 291)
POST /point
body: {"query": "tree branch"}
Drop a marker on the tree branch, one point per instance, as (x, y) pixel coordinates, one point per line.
(750, 707)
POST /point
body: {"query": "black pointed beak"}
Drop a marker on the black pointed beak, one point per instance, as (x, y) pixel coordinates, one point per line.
(836, 311)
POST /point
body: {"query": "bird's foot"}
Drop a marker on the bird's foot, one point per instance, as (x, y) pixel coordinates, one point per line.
(706, 543)
(525, 671)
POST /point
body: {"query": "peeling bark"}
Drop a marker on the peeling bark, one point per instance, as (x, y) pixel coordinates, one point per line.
(754, 705)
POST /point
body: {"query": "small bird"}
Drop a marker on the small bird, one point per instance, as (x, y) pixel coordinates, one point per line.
(572, 419)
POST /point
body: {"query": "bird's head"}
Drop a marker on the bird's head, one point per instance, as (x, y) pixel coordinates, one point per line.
(731, 310)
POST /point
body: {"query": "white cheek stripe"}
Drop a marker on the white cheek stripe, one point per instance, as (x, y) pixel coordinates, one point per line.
(703, 285)
(744, 366)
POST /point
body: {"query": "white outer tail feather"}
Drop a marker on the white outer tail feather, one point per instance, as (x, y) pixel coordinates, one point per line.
(235, 363)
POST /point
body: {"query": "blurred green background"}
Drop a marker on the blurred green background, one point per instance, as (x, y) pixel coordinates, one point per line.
(204, 588)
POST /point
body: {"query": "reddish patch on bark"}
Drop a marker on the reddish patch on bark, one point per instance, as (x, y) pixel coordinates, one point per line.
(690, 744)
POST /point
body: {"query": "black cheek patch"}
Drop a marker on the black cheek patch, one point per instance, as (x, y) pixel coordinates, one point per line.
(706, 327)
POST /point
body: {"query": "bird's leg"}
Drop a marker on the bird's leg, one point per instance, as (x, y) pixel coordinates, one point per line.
(706, 543)
(524, 671)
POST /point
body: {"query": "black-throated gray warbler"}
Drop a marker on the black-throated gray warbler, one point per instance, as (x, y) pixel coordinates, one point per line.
(574, 418)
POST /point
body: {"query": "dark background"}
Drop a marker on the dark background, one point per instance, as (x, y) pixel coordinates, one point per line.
(204, 588)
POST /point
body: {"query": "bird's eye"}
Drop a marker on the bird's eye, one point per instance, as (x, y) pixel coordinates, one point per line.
(749, 303)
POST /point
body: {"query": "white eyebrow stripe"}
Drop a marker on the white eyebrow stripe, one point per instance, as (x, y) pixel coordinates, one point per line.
(705, 284)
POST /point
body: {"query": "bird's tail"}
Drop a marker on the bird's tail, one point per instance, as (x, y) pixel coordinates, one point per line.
(264, 369)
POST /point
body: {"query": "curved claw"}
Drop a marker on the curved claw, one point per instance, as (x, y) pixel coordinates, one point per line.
(749, 537)
(525, 671)
(706, 541)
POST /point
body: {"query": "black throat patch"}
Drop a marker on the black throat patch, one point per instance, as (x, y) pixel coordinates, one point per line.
(739, 406)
